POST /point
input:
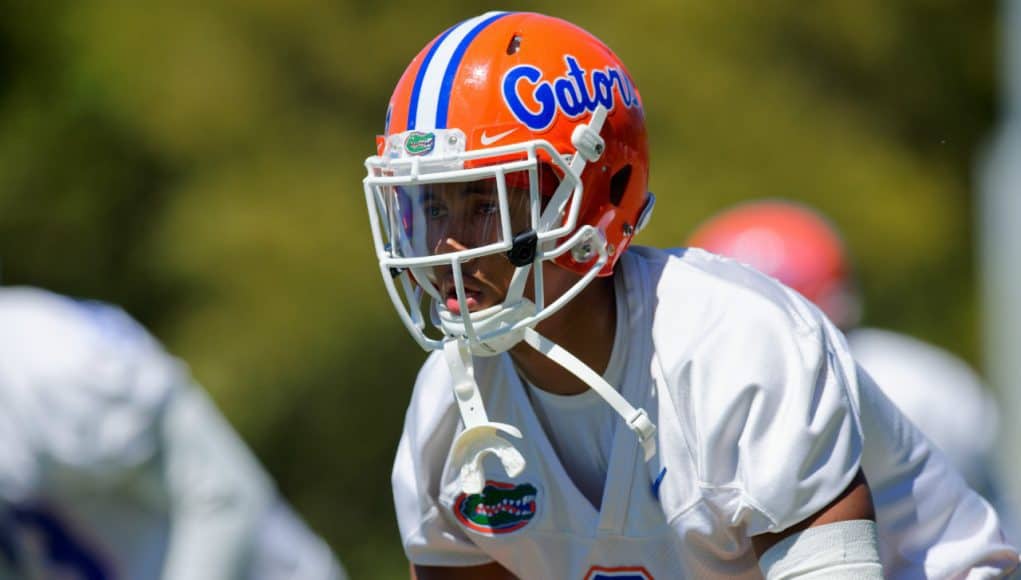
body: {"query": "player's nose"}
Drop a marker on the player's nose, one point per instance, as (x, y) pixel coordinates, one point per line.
(449, 244)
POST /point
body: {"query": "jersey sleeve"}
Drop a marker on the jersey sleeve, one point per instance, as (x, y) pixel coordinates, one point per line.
(939, 393)
(777, 435)
(429, 537)
(911, 482)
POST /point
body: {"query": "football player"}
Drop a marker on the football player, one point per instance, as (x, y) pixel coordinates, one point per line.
(115, 465)
(939, 392)
(598, 411)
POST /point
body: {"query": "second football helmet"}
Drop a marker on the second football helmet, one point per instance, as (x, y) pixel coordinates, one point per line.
(791, 243)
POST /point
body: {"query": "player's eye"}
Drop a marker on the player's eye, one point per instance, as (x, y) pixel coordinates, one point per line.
(487, 208)
(435, 211)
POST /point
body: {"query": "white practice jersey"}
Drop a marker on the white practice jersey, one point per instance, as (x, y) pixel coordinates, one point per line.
(113, 465)
(941, 395)
(948, 403)
(763, 419)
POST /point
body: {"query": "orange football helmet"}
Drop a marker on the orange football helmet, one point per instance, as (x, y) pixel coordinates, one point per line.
(529, 129)
(791, 243)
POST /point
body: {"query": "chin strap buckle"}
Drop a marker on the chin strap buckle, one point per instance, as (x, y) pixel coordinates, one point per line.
(640, 423)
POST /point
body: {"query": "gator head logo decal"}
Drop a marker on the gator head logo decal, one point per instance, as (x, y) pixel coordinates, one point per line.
(419, 143)
(499, 509)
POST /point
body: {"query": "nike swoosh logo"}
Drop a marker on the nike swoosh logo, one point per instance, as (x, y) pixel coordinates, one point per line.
(488, 140)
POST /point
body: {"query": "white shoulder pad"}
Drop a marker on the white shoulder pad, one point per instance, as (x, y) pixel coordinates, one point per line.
(80, 382)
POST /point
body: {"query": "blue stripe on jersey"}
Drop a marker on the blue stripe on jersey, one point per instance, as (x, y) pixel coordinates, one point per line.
(421, 75)
(454, 64)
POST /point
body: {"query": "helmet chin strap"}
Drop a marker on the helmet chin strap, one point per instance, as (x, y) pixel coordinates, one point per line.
(482, 436)
(637, 419)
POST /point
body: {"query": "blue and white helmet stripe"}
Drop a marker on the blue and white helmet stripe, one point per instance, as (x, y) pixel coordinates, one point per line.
(430, 97)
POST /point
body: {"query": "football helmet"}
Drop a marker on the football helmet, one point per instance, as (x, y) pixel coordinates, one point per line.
(512, 140)
(792, 243)
(511, 136)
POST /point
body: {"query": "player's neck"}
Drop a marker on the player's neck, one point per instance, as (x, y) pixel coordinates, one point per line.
(585, 327)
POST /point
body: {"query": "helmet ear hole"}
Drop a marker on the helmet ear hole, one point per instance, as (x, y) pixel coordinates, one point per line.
(618, 184)
(514, 44)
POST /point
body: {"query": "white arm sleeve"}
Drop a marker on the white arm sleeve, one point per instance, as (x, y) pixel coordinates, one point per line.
(838, 551)
(218, 492)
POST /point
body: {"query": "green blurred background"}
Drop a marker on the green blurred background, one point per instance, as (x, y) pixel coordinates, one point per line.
(199, 163)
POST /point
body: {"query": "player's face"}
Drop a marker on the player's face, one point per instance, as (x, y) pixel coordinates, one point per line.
(443, 218)
(462, 216)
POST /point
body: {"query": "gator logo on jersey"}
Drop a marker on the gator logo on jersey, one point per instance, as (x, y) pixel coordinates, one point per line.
(419, 143)
(535, 101)
(500, 508)
(618, 573)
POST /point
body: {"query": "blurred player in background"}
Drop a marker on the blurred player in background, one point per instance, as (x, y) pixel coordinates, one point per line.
(599, 410)
(939, 392)
(114, 464)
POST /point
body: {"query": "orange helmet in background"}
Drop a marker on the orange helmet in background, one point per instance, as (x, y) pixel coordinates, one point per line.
(792, 243)
(529, 103)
